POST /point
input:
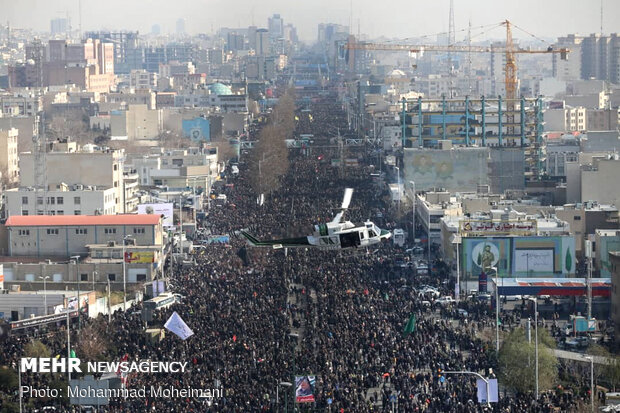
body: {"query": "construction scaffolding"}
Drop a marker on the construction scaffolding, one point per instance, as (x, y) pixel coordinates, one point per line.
(478, 122)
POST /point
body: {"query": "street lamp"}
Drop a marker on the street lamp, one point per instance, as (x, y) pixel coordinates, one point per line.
(536, 338)
(496, 311)
(125, 238)
(413, 213)
(398, 175)
(456, 239)
(77, 270)
(591, 381)
(283, 384)
(45, 278)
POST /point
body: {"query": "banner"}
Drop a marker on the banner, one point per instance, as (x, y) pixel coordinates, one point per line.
(492, 397)
(304, 389)
(482, 282)
(39, 321)
(139, 257)
(482, 227)
(176, 325)
(165, 209)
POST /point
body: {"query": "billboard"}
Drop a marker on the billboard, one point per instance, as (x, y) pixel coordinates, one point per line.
(304, 389)
(198, 129)
(519, 256)
(534, 260)
(139, 257)
(457, 169)
(482, 227)
(165, 209)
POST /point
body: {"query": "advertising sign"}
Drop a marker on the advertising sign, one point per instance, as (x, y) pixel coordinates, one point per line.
(483, 397)
(165, 209)
(304, 389)
(139, 257)
(39, 321)
(539, 260)
(481, 228)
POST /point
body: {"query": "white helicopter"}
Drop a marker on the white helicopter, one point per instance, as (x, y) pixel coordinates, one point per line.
(334, 234)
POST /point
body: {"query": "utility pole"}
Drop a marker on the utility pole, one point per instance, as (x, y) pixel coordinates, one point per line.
(589, 280)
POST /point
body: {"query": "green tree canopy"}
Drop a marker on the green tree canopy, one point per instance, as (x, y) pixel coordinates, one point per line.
(517, 358)
(36, 349)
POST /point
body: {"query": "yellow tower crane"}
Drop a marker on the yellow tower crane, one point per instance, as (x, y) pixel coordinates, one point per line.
(509, 50)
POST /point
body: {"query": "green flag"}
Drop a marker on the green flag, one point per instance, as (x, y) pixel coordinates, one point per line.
(72, 354)
(410, 327)
(386, 297)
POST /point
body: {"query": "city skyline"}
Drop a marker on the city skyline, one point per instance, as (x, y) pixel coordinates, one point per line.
(552, 18)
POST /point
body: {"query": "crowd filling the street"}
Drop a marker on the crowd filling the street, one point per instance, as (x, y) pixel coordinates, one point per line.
(352, 318)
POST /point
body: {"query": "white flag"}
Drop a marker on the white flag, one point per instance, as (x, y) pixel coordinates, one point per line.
(176, 325)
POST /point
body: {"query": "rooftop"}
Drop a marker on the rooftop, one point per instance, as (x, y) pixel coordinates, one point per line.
(81, 220)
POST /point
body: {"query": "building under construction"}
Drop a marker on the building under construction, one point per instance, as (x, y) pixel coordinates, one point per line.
(512, 128)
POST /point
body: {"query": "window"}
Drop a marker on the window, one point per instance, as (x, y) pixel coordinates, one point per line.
(60, 212)
(60, 200)
(140, 277)
(51, 200)
(81, 231)
(110, 230)
(24, 232)
(83, 277)
(52, 231)
(77, 200)
(112, 277)
(577, 218)
(77, 212)
(24, 200)
(138, 230)
(39, 200)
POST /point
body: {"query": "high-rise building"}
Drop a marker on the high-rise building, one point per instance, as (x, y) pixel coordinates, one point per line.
(595, 56)
(276, 26)
(263, 42)
(59, 26)
(9, 158)
(156, 29)
(181, 26)
(569, 69)
(235, 42)
(127, 54)
(252, 37)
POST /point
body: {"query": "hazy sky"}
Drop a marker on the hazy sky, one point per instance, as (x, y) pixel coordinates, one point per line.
(390, 18)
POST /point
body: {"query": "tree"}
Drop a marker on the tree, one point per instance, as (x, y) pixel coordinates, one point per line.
(269, 159)
(36, 349)
(8, 379)
(610, 372)
(517, 369)
(91, 343)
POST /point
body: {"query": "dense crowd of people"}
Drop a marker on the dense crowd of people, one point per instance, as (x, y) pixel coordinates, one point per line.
(262, 316)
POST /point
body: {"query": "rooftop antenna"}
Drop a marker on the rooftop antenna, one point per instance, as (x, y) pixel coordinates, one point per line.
(469, 58)
(451, 41)
(601, 17)
(80, 19)
(351, 18)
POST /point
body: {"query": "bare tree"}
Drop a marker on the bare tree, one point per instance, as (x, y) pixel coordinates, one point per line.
(269, 160)
(92, 343)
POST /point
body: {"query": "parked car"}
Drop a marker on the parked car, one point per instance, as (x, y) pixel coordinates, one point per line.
(462, 312)
(445, 300)
(429, 292)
